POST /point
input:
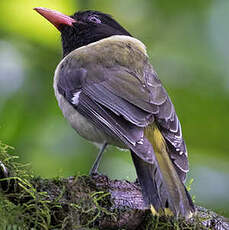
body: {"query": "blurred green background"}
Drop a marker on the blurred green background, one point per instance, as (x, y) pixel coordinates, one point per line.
(187, 42)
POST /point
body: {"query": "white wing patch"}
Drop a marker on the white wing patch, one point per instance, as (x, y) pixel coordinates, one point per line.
(75, 99)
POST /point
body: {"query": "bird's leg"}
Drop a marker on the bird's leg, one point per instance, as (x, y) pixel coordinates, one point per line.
(95, 166)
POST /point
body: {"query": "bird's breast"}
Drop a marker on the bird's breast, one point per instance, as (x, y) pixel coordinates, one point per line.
(79, 122)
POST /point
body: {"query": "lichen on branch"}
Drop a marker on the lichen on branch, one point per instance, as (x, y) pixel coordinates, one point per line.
(81, 202)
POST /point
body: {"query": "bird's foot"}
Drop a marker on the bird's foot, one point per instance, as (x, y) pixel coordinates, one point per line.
(95, 174)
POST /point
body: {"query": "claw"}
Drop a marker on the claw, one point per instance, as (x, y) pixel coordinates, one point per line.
(168, 212)
(153, 210)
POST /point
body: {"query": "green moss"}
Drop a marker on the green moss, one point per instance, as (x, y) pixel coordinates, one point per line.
(169, 223)
(20, 201)
(28, 202)
(9, 214)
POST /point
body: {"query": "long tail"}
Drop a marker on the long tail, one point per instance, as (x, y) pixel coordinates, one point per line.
(162, 188)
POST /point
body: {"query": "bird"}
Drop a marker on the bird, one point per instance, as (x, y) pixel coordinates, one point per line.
(111, 95)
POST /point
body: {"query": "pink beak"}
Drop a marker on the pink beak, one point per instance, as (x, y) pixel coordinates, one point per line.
(55, 17)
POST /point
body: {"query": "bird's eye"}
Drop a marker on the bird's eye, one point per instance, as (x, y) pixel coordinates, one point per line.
(94, 19)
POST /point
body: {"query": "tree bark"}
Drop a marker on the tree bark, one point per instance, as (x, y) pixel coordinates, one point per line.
(96, 202)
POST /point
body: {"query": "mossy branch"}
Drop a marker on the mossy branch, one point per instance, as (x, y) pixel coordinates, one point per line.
(82, 202)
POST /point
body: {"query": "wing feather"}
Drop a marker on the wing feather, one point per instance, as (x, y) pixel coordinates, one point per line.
(135, 95)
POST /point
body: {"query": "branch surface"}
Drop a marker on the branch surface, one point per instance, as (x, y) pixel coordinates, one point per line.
(85, 202)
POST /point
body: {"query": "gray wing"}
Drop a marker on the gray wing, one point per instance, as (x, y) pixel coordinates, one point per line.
(125, 95)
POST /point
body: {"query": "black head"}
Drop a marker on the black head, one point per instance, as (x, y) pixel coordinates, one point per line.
(90, 26)
(82, 28)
